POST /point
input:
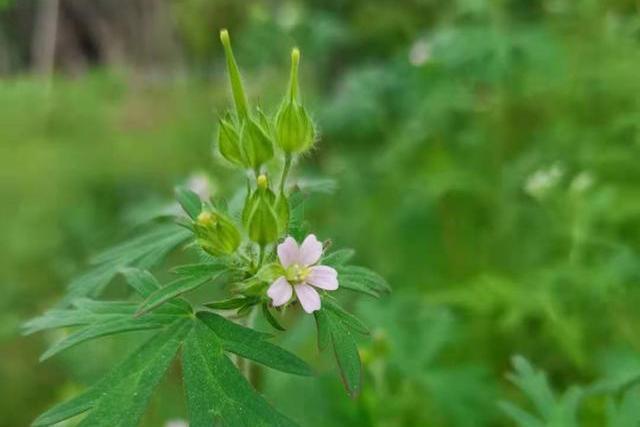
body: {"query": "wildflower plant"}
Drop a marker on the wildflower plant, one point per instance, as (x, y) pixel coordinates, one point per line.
(259, 252)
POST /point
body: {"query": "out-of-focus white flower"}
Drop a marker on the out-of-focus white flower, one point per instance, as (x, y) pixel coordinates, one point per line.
(581, 182)
(543, 180)
(420, 52)
(301, 274)
(288, 15)
(176, 423)
(199, 183)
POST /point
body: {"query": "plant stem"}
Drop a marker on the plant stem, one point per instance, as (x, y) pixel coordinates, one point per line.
(261, 256)
(285, 171)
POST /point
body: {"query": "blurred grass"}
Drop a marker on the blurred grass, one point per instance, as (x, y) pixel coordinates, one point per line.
(487, 161)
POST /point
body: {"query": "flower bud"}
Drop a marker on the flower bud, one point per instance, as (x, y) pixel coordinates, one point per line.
(216, 234)
(229, 142)
(281, 208)
(294, 129)
(261, 219)
(256, 144)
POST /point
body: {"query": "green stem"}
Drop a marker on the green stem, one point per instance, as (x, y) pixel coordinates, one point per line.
(285, 171)
(261, 256)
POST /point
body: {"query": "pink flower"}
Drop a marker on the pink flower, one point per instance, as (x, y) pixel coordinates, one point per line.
(301, 274)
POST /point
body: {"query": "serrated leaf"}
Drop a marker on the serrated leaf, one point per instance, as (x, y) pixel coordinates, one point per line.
(189, 201)
(110, 327)
(119, 399)
(216, 391)
(251, 344)
(143, 251)
(338, 258)
(270, 318)
(172, 290)
(346, 353)
(98, 319)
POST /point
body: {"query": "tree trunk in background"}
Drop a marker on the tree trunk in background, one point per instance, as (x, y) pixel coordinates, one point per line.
(73, 35)
(43, 43)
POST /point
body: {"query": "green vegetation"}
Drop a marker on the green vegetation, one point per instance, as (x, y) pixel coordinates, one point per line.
(485, 158)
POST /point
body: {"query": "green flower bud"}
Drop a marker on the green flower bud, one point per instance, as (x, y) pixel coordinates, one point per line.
(229, 142)
(281, 208)
(216, 234)
(262, 221)
(256, 144)
(294, 129)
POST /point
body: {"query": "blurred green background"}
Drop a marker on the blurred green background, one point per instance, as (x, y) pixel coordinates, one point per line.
(487, 156)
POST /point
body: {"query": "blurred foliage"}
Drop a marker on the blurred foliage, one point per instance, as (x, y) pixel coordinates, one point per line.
(487, 160)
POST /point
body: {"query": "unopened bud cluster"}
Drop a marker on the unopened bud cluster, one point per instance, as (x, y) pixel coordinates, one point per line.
(249, 139)
(216, 234)
(246, 138)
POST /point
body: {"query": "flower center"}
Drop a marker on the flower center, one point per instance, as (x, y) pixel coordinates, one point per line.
(297, 273)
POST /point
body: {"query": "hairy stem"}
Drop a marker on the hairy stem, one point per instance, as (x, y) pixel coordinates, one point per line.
(285, 170)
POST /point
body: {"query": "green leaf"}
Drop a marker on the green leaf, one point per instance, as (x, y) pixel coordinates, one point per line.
(323, 329)
(227, 304)
(119, 399)
(338, 258)
(170, 291)
(189, 201)
(145, 284)
(98, 319)
(345, 351)
(363, 280)
(200, 270)
(349, 319)
(549, 410)
(216, 392)
(251, 344)
(270, 318)
(626, 412)
(143, 251)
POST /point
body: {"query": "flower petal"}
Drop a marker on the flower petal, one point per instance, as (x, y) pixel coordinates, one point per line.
(323, 277)
(310, 250)
(280, 291)
(288, 252)
(308, 297)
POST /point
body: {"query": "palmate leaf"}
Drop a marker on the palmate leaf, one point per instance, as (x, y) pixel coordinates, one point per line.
(120, 398)
(549, 410)
(143, 251)
(214, 386)
(216, 391)
(95, 319)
